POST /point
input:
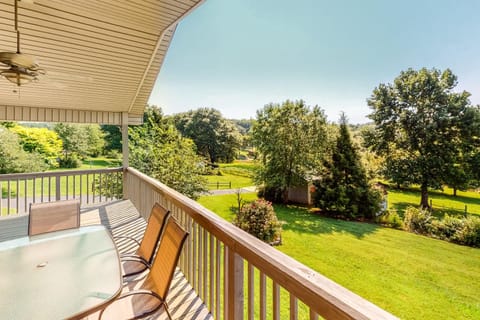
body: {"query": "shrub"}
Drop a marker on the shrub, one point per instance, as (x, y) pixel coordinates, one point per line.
(446, 228)
(259, 219)
(470, 233)
(390, 218)
(417, 220)
(70, 162)
(271, 194)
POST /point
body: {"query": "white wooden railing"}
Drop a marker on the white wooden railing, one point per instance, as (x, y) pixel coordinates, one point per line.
(239, 276)
(18, 190)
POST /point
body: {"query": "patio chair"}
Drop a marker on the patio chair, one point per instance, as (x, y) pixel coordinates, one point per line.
(152, 294)
(139, 261)
(53, 216)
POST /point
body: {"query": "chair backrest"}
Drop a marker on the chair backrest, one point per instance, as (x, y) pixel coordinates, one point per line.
(163, 268)
(155, 226)
(53, 216)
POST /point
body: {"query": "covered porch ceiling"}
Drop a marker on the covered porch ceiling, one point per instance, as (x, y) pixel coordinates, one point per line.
(101, 57)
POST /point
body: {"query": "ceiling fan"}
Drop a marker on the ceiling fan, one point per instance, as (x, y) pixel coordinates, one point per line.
(22, 68)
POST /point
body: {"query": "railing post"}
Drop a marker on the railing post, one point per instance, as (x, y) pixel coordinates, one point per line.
(125, 151)
(57, 187)
(235, 294)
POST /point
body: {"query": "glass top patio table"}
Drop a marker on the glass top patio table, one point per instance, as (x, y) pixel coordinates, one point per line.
(59, 275)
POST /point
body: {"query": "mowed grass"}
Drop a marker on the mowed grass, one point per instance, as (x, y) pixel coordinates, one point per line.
(234, 175)
(442, 202)
(411, 276)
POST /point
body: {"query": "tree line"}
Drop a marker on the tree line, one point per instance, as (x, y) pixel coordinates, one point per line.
(422, 132)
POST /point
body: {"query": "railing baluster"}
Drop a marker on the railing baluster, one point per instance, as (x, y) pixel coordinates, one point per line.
(263, 296)
(17, 196)
(194, 256)
(25, 194)
(100, 187)
(293, 307)
(88, 188)
(205, 265)
(251, 291)
(200, 262)
(49, 189)
(234, 277)
(276, 301)
(225, 282)
(66, 187)
(313, 315)
(212, 272)
(41, 191)
(218, 253)
(8, 195)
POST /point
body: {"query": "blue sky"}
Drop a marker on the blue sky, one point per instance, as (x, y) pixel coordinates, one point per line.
(238, 55)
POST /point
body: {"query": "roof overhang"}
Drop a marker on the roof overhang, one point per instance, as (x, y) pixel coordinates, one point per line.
(101, 57)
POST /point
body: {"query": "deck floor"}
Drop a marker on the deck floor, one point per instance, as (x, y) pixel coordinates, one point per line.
(121, 218)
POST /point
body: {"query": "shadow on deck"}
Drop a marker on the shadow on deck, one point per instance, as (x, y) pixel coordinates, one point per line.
(122, 219)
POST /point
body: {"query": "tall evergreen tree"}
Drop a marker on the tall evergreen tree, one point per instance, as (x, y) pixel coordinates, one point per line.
(344, 189)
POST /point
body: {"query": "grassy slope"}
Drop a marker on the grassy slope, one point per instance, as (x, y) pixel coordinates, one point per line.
(413, 277)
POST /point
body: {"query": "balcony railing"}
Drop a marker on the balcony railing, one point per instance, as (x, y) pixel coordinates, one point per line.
(236, 275)
(90, 186)
(231, 270)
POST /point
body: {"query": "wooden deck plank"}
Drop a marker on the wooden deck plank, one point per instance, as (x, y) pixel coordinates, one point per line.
(122, 219)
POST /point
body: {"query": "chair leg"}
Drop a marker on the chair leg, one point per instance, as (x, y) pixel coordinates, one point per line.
(166, 309)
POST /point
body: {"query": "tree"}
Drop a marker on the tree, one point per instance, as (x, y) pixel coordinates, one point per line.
(14, 159)
(158, 150)
(40, 140)
(95, 138)
(290, 138)
(344, 189)
(421, 127)
(113, 137)
(216, 138)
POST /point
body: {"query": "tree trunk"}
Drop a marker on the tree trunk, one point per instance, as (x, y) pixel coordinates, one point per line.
(454, 192)
(424, 199)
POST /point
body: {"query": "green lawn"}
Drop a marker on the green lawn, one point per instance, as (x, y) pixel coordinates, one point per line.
(443, 202)
(411, 276)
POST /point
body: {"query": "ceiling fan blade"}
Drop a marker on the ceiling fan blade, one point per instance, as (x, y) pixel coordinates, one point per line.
(19, 60)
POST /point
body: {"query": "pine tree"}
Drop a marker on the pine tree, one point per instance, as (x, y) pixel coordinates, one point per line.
(344, 189)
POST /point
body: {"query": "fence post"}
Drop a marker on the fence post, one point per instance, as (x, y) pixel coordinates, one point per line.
(57, 187)
(218, 185)
(230, 185)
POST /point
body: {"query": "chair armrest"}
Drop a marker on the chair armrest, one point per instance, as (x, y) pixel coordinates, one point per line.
(134, 257)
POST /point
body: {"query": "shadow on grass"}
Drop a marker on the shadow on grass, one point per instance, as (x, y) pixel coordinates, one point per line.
(300, 220)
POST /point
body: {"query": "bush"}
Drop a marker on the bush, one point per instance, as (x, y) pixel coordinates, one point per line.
(465, 230)
(470, 233)
(70, 162)
(259, 219)
(271, 194)
(390, 218)
(417, 220)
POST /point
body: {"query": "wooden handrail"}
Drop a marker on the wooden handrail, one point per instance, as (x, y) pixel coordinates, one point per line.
(321, 294)
(31, 175)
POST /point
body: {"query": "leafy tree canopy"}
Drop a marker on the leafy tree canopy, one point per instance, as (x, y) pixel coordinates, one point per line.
(421, 127)
(41, 140)
(13, 159)
(290, 138)
(158, 150)
(216, 138)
